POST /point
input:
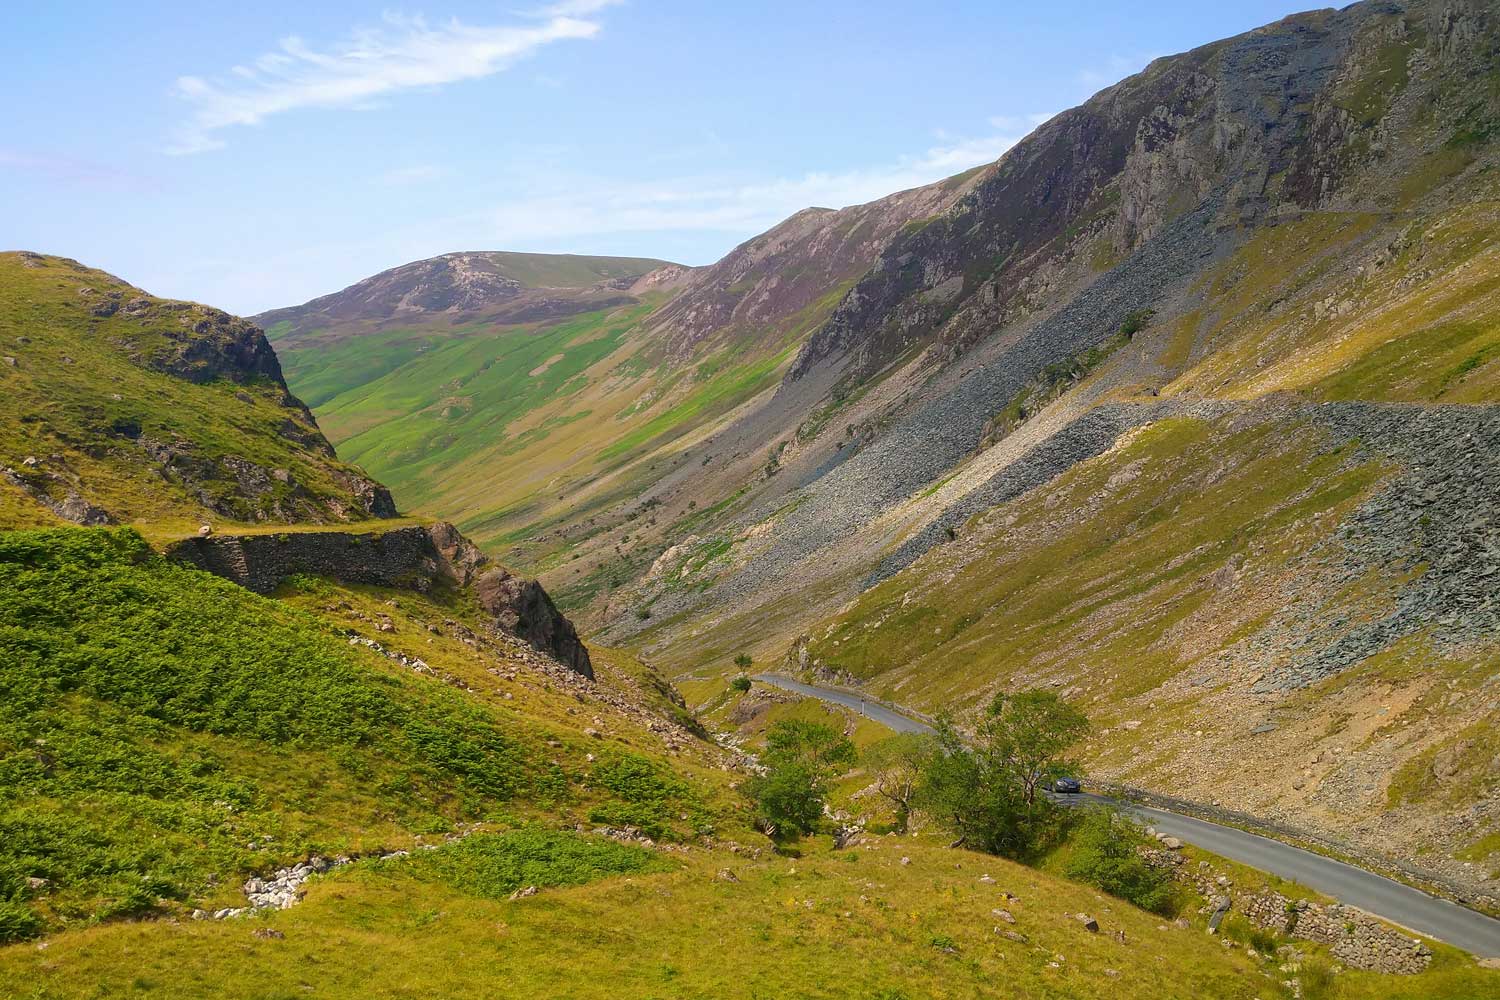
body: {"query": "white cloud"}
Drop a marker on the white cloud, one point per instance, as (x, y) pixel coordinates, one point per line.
(573, 207)
(404, 53)
(417, 173)
(1113, 70)
(576, 8)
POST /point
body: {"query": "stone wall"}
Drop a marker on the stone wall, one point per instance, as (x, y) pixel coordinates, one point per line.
(1354, 937)
(414, 558)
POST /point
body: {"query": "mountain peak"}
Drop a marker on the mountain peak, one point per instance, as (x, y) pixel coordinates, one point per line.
(466, 282)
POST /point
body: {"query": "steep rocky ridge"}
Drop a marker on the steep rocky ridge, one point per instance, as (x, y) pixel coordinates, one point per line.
(121, 405)
(778, 285)
(413, 558)
(1302, 114)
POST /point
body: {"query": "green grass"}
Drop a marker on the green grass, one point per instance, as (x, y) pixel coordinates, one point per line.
(160, 727)
(458, 399)
(716, 394)
(322, 372)
(817, 926)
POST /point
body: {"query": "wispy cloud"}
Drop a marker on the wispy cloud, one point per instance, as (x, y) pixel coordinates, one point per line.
(70, 171)
(1114, 69)
(417, 173)
(402, 54)
(569, 207)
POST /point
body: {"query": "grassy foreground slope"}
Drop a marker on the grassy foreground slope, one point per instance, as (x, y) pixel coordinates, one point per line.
(858, 923)
(164, 733)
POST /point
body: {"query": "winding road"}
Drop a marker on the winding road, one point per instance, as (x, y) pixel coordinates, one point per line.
(1386, 898)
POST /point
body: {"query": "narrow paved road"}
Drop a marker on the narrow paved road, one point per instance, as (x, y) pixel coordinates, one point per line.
(1401, 904)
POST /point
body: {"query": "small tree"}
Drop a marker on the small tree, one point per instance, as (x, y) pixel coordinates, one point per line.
(985, 789)
(740, 684)
(968, 789)
(896, 764)
(801, 760)
(1032, 730)
(743, 661)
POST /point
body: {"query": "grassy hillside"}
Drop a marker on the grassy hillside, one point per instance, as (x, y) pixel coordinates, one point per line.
(831, 924)
(165, 733)
(567, 270)
(150, 410)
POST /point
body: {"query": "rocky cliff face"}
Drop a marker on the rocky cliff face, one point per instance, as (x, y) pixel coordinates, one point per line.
(1325, 110)
(778, 285)
(419, 559)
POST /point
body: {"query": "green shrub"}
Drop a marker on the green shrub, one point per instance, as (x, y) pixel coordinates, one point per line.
(1106, 856)
(18, 922)
(1135, 321)
(643, 795)
(740, 684)
(495, 865)
(801, 760)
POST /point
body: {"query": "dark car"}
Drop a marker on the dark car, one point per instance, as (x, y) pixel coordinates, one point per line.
(1067, 785)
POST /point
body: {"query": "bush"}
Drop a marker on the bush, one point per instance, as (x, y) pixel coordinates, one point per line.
(1106, 856)
(643, 796)
(1135, 321)
(743, 661)
(801, 759)
(495, 865)
(740, 684)
(18, 922)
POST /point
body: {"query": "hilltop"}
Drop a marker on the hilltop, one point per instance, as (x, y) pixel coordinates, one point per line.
(123, 406)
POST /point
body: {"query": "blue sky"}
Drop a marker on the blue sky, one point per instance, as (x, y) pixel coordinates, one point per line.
(263, 153)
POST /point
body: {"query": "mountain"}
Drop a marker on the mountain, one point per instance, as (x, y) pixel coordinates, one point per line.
(1185, 410)
(467, 284)
(508, 421)
(1257, 272)
(225, 756)
(1188, 408)
(122, 407)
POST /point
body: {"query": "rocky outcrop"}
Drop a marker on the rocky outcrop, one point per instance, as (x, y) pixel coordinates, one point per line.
(782, 276)
(521, 606)
(1306, 113)
(415, 558)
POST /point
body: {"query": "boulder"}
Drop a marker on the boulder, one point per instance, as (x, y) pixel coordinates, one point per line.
(523, 607)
